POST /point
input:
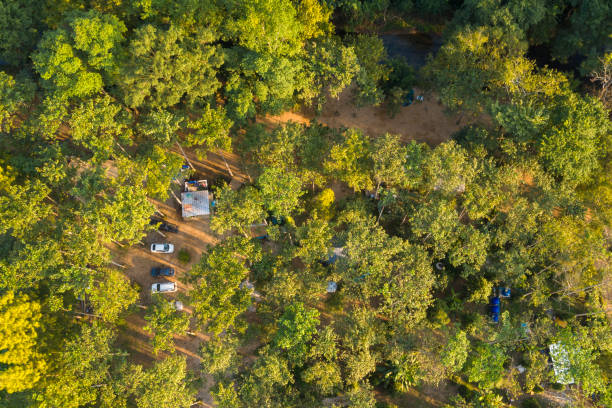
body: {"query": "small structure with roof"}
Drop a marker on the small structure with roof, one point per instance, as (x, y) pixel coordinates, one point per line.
(195, 199)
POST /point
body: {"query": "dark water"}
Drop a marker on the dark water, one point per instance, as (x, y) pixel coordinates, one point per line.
(413, 47)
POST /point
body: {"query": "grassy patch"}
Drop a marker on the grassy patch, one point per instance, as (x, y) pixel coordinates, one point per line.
(184, 256)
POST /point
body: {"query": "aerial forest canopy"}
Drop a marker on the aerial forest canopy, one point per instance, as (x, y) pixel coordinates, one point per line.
(342, 266)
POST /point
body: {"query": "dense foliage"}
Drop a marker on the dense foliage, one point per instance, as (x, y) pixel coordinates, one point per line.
(353, 299)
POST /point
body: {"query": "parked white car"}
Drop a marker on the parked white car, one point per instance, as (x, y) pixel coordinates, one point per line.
(162, 248)
(163, 287)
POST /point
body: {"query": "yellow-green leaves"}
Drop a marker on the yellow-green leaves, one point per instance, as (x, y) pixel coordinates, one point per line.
(74, 59)
(21, 365)
(350, 161)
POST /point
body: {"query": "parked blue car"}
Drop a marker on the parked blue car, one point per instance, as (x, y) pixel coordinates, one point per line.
(159, 271)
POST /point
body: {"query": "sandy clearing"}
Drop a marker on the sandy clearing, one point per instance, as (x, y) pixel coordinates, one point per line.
(425, 121)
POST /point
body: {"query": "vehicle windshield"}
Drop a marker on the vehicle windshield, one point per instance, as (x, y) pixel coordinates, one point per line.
(166, 247)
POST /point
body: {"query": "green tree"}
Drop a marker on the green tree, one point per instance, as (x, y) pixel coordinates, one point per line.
(265, 26)
(405, 371)
(323, 376)
(74, 60)
(312, 146)
(100, 126)
(372, 73)
(315, 239)
(387, 268)
(581, 351)
(220, 356)
(154, 168)
(571, 147)
(15, 94)
(267, 384)
(469, 68)
(586, 31)
(112, 295)
(124, 214)
(361, 396)
(20, 21)
(82, 364)
(455, 353)
(22, 363)
(486, 365)
(166, 385)
(323, 205)
(389, 157)
(350, 161)
(225, 396)
(165, 66)
(217, 296)
(449, 169)
(437, 222)
(280, 191)
(296, 327)
(237, 209)
(210, 131)
(332, 67)
(164, 321)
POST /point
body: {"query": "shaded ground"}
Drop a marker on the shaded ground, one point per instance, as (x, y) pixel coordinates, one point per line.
(194, 236)
(424, 121)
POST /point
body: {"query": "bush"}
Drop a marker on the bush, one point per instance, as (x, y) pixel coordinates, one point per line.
(335, 301)
(323, 204)
(439, 317)
(184, 256)
(481, 289)
(557, 386)
(382, 404)
(531, 403)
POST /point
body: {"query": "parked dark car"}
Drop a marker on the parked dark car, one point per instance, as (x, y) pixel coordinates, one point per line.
(159, 271)
(163, 225)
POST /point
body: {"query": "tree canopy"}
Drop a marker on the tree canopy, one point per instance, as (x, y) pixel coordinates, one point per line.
(339, 266)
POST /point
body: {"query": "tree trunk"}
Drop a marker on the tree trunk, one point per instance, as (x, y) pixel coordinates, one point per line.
(226, 165)
(185, 156)
(175, 197)
(380, 213)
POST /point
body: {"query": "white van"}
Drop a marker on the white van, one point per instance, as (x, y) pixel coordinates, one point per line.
(163, 287)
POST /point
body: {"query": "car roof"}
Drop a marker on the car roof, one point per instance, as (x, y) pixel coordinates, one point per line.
(165, 285)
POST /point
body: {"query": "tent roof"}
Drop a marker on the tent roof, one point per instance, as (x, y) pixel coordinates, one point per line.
(561, 364)
(195, 203)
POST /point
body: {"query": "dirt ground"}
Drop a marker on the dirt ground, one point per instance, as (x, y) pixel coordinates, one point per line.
(424, 121)
(194, 236)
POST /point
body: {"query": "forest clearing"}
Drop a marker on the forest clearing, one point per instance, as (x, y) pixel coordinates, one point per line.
(424, 121)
